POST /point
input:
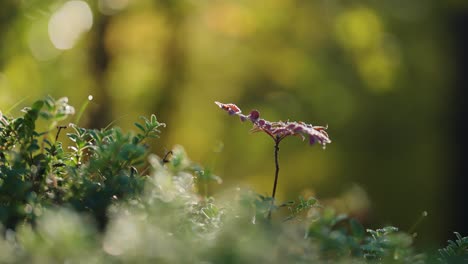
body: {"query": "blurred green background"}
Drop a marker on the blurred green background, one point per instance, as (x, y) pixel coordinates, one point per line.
(380, 73)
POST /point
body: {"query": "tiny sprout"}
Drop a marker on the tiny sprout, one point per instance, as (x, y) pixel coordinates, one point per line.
(417, 223)
(278, 131)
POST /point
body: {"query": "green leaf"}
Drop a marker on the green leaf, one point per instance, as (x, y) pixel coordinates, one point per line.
(72, 137)
(140, 127)
(37, 105)
(389, 229)
(33, 147)
(288, 203)
(357, 229)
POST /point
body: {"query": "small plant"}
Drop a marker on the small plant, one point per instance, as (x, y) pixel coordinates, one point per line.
(100, 192)
(37, 171)
(278, 131)
(456, 251)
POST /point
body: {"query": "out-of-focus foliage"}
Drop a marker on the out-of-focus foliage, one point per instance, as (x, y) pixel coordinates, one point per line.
(53, 201)
(377, 72)
(456, 251)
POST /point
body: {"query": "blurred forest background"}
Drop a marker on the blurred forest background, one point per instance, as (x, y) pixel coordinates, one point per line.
(387, 77)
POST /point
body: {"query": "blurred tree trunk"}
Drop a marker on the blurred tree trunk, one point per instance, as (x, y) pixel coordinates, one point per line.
(101, 110)
(459, 185)
(174, 66)
(8, 13)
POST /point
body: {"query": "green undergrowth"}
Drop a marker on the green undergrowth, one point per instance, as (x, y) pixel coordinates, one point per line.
(74, 195)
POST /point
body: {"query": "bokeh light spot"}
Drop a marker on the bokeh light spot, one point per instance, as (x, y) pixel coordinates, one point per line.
(39, 42)
(111, 7)
(359, 28)
(68, 23)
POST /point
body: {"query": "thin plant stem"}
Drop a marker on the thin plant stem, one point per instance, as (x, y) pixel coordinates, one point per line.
(277, 141)
(413, 227)
(82, 109)
(277, 169)
(16, 104)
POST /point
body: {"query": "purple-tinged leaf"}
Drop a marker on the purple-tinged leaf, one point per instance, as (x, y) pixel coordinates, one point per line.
(254, 115)
(311, 140)
(280, 130)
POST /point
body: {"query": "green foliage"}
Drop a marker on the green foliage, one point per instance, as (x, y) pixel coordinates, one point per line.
(300, 207)
(456, 251)
(104, 199)
(390, 244)
(36, 170)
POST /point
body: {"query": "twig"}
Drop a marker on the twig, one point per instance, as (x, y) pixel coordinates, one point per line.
(59, 128)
